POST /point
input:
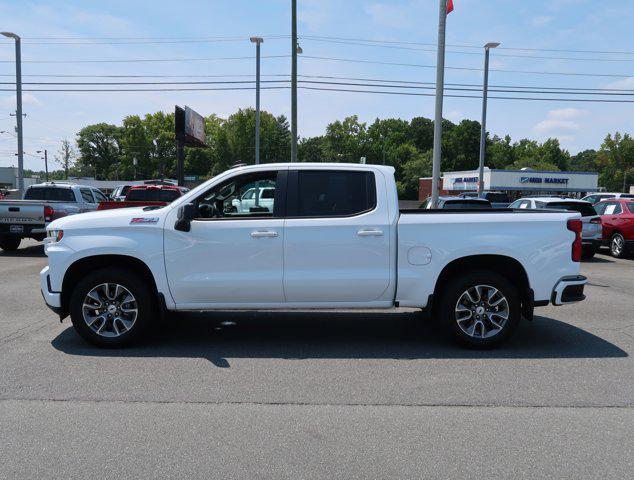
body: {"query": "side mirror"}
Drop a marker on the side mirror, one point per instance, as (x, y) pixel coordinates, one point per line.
(186, 214)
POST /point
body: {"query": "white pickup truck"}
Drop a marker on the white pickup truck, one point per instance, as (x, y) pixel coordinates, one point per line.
(334, 239)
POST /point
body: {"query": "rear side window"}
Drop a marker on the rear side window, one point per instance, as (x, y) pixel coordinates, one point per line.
(585, 209)
(334, 193)
(50, 193)
(86, 194)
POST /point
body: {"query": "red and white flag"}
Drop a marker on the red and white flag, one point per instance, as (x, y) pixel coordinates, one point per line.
(449, 6)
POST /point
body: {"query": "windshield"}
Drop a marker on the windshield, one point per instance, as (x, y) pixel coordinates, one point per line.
(50, 193)
(585, 209)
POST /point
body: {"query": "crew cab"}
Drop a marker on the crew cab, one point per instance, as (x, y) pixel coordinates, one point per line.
(42, 204)
(592, 231)
(617, 216)
(145, 196)
(335, 238)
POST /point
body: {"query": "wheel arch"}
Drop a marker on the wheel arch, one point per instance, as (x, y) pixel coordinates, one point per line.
(91, 263)
(508, 267)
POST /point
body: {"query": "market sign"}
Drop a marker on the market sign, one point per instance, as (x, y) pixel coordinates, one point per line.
(189, 126)
(551, 180)
(465, 180)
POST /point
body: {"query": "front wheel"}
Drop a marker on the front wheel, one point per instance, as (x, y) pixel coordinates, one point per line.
(112, 307)
(480, 309)
(617, 245)
(9, 243)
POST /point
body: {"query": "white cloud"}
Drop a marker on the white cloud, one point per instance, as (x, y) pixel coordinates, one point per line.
(541, 20)
(27, 99)
(626, 83)
(560, 122)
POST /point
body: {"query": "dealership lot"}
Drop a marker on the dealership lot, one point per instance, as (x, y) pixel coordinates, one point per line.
(337, 394)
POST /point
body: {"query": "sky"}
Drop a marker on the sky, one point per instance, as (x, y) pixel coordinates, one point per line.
(193, 39)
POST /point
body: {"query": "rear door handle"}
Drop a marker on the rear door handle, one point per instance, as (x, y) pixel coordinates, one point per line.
(370, 233)
(263, 233)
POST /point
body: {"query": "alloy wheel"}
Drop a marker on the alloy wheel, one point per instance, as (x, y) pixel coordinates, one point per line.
(617, 245)
(110, 310)
(482, 311)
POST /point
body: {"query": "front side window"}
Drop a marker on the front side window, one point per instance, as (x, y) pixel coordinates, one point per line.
(334, 193)
(99, 196)
(244, 196)
(86, 194)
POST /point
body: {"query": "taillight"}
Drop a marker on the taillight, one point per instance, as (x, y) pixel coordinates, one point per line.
(48, 213)
(575, 226)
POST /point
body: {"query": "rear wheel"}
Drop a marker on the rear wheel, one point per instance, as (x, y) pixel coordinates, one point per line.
(617, 245)
(9, 243)
(112, 307)
(481, 309)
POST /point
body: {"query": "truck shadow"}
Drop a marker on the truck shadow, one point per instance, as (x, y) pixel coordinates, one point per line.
(30, 251)
(221, 336)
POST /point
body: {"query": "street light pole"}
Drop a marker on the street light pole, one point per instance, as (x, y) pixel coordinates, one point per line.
(257, 41)
(18, 111)
(483, 125)
(440, 88)
(294, 81)
(45, 151)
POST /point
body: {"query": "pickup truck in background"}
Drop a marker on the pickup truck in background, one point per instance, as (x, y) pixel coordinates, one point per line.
(145, 196)
(335, 238)
(42, 204)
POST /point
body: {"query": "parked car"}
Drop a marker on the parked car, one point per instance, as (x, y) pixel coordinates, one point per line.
(445, 202)
(42, 204)
(592, 233)
(617, 216)
(335, 238)
(250, 201)
(145, 196)
(119, 193)
(497, 199)
(595, 198)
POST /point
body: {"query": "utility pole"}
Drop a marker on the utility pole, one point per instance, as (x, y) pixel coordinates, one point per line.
(135, 162)
(257, 41)
(483, 125)
(18, 111)
(294, 82)
(45, 151)
(440, 87)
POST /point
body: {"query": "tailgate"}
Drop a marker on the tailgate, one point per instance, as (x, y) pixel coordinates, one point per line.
(21, 213)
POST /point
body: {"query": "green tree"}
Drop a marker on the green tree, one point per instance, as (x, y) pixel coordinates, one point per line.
(585, 161)
(616, 161)
(99, 148)
(414, 166)
(345, 140)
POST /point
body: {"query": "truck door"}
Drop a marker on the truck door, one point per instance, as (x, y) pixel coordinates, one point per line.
(336, 237)
(231, 255)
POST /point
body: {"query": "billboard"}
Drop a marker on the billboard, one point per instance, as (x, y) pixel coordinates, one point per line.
(190, 127)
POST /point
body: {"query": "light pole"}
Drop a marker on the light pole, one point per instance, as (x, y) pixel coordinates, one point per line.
(440, 89)
(483, 126)
(18, 111)
(45, 152)
(257, 41)
(294, 81)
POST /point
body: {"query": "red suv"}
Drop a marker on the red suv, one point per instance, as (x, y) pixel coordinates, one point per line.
(617, 217)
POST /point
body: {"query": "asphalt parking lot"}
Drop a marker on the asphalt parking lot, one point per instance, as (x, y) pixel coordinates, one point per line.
(318, 395)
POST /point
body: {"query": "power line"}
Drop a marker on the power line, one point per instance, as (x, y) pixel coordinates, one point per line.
(474, 69)
(148, 60)
(467, 96)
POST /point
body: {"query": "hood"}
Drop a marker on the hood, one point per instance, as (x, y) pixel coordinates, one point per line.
(105, 218)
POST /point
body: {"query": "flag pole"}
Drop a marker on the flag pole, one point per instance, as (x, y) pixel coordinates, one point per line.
(440, 86)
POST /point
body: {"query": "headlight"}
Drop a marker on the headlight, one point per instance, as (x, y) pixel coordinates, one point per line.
(55, 235)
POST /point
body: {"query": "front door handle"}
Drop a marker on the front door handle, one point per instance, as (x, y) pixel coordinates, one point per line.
(263, 233)
(370, 233)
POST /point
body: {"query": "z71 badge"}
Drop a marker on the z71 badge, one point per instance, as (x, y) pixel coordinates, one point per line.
(144, 220)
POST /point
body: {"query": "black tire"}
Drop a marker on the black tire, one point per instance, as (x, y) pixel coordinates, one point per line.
(615, 251)
(9, 243)
(454, 289)
(145, 300)
(588, 252)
